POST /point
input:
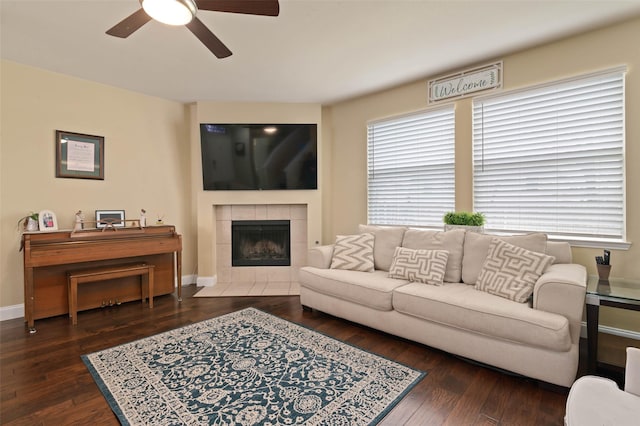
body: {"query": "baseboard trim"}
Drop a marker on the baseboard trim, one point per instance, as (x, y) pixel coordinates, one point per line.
(189, 279)
(611, 330)
(206, 281)
(17, 311)
(11, 312)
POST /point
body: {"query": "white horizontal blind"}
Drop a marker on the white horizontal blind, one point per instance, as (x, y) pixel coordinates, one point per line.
(551, 159)
(411, 164)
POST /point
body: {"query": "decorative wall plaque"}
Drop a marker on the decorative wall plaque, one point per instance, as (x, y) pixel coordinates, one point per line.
(465, 83)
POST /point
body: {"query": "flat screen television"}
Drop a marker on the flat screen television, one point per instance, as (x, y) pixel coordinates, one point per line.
(259, 156)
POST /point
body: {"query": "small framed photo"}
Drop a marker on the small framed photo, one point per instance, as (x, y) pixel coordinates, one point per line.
(47, 221)
(79, 156)
(110, 219)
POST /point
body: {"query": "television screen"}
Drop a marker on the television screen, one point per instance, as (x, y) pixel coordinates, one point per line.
(259, 156)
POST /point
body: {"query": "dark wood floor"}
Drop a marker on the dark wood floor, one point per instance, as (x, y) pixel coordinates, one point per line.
(44, 382)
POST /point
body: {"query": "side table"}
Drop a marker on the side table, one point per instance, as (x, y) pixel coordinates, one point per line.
(614, 292)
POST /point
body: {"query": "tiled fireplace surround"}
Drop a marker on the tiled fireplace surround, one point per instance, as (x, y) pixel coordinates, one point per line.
(260, 280)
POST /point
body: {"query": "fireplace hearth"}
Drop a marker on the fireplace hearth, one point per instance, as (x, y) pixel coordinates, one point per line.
(260, 243)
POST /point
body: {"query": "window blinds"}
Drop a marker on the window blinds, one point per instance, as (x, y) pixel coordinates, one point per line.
(411, 167)
(551, 159)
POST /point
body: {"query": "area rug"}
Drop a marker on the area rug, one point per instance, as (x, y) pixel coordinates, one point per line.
(247, 368)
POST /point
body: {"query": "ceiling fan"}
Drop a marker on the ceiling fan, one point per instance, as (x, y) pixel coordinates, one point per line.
(183, 12)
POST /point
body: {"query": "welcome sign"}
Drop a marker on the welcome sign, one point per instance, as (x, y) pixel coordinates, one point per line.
(467, 82)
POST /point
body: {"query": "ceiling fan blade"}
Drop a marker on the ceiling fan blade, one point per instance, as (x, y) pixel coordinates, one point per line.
(207, 38)
(128, 25)
(249, 7)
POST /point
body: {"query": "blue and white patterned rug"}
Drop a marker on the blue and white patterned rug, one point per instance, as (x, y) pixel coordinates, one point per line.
(247, 368)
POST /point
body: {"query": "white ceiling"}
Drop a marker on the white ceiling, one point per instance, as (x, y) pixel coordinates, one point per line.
(318, 51)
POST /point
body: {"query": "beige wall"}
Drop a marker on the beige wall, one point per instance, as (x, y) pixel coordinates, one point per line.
(225, 112)
(146, 159)
(593, 51)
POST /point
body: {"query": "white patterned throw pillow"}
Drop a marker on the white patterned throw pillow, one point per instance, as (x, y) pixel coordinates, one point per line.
(510, 271)
(425, 266)
(353, 252)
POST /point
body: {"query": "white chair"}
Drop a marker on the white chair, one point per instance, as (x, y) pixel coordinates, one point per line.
(598, 401)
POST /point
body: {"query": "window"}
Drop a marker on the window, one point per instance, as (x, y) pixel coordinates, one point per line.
(411, 165)
(551, 158)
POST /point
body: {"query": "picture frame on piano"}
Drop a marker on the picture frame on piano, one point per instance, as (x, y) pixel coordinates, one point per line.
(47, 221)
(110, 219)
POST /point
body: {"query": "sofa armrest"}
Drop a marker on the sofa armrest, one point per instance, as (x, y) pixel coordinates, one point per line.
(320, 256)
(561, 290)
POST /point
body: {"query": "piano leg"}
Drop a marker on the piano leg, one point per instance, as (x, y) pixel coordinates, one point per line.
(179, 273)
(29, 299)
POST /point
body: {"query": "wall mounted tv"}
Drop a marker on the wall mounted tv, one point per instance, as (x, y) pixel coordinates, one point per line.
(259, 156)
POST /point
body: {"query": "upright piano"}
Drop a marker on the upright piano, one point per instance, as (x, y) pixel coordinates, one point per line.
(50, 256)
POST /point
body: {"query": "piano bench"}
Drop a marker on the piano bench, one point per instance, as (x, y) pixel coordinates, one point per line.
(76, 278)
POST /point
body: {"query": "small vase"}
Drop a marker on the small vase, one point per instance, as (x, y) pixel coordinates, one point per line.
(476, 229)
(603, 272)
(32, 224)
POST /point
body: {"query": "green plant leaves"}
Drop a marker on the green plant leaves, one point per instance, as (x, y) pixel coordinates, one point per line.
(464, 218)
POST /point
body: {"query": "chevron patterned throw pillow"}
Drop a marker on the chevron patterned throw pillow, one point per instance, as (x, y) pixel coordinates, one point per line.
(510, 271)
(353, 252)
(425, 266)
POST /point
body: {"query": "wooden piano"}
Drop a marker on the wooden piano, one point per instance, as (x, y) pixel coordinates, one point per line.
(50, 256)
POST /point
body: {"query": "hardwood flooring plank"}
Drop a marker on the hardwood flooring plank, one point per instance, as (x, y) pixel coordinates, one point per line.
(468, 409)
(523, 405)
(498, 397)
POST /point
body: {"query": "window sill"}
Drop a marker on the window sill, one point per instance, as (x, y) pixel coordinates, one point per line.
(575, 241)
(593, 242)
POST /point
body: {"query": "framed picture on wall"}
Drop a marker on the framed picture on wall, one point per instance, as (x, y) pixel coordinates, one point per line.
(110, 219)
(79, 156)
(47, 221)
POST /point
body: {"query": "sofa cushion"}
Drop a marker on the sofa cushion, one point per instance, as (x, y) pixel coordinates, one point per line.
(476, 247)
(353, 252)
(387, 238)
(425, 266)
(451, 241)
(371, 289)
(511, 272)
(462, 306)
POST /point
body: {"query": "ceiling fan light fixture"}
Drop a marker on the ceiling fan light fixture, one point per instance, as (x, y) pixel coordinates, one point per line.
(170, 12)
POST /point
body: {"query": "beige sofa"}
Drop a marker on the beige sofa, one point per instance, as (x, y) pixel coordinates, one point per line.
(538, 338)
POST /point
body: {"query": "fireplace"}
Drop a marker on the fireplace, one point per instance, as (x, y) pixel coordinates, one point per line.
(260, 243)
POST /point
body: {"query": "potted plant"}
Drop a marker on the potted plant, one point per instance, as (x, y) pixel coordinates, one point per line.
(470, 221)
(29, 222)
